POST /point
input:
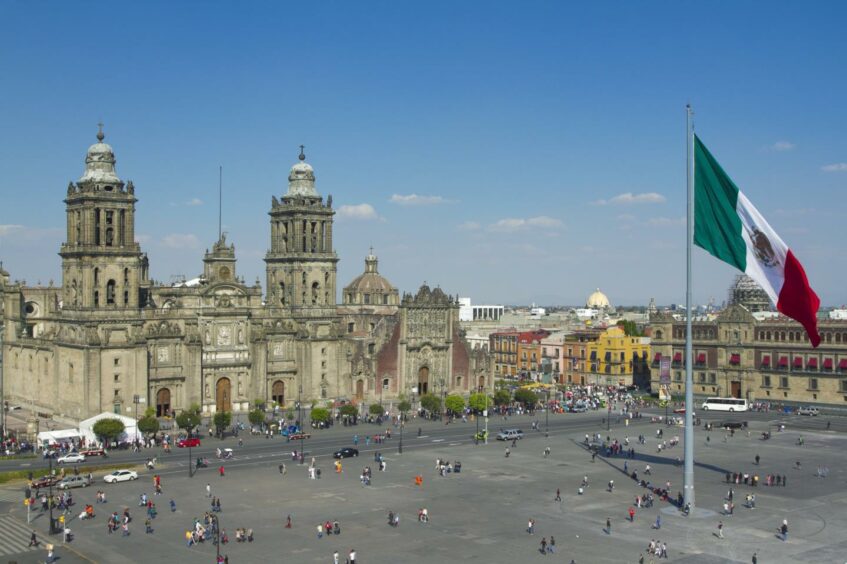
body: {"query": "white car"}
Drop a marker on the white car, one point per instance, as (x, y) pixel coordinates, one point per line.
(120, 476)
(808, 410)
(71, 458)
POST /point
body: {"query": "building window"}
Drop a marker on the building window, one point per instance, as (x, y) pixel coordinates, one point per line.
(783, 382)
(677, 376)
(766, 381)
(701, 377)
(843, 385)
(385, 299)
(713, 378)
(351, 327)
(117, 378)
(371, 348)
(367, 298)
(813, 383)
(110, 292)
(385, 383)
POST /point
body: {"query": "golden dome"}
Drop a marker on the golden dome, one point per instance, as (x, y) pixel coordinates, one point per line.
(597, 300)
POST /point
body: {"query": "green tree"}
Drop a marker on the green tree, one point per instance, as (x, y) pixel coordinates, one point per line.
(478, 402)
(189, 419)
(222, 420)
(455, 404)
(526, 397)
(108, 429)
(148, 425)
(149, 412)
(431, 403)
(502, 397)
(376, 409)
(404, 406)
(349, 410)
(629, 327)
(320, 415)
(256, 417)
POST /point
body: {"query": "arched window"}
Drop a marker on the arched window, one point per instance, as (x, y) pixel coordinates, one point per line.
(282, 293)
(110, 292)
(315, 288)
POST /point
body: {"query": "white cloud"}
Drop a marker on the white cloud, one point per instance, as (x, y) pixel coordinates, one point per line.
(416, 200)
(469, 226)
(666, 221)
(782, 146)
(626, 217)
(9, 228)
(180, 241)
(364, 212)
(194, 202)
(835, 167)
(511, 224)
(628, 198)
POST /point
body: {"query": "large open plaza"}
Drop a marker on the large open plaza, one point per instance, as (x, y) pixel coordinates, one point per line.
(481, 513)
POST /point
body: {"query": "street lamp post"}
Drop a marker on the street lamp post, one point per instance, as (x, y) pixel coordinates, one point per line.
(443, 398)
(52, 527)
(300, 417)
(476, 437)
(547, 416)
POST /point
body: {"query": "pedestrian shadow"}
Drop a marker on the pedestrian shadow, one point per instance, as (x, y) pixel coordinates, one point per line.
(652, 459)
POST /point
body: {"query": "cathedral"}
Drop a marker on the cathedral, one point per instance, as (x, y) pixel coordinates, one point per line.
(109, 338)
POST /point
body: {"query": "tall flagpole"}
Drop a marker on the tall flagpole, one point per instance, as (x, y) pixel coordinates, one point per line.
(688, 476)
(220, 199)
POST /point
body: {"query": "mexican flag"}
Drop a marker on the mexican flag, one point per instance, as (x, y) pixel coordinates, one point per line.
(729, 227)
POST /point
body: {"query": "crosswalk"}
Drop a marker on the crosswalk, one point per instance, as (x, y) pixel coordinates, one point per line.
(14, 536)
(13, 496)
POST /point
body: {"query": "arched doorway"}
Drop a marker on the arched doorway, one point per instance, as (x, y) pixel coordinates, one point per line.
(163, 402)
(423, 380)
(481, 383)
(278, 392)
(360, 389)
(223, 395)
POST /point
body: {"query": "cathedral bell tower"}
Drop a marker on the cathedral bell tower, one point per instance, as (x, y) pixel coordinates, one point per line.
(301, 263)
(102, 265)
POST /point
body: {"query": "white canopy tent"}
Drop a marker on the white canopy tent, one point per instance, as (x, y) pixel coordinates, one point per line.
(58, 436)
(86, 428)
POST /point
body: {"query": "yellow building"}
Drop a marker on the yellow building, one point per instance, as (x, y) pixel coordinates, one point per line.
(617, 359)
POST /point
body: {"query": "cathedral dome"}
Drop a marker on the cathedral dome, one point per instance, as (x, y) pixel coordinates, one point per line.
(301, 178)
(597, 300)
(370, 280)
(100, 163)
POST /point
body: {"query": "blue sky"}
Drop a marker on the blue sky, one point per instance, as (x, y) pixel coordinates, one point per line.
(511, 152)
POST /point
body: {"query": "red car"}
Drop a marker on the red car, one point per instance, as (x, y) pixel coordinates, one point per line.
(93, 452)
(189, 442)
(45, 482)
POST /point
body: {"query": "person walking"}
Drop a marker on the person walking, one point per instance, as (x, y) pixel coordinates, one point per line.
(631, 514)
(320, 530)
(221, 470)
(530, 527)
(335, 557)
(755, 559)
(608, 526)
(558, 495)
(543, 548)
(208, 490)
(33, 540)
(720, 529)
(551, 546)
(757, 460)
(351, 557)
(783, 530)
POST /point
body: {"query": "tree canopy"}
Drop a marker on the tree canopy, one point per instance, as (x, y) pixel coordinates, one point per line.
(256, 416)
(404, 406)
(629, 328)
(320, 415)
(349, 410)
(375, 409)
(478, 402)
(526, 397)
(109, 429)
(148, 425)
(502, 397)
(222, 420)
(431, 403)
(455, 404)
(188, 419)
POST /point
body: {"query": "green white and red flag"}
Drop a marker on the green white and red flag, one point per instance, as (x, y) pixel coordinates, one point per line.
(729, 227)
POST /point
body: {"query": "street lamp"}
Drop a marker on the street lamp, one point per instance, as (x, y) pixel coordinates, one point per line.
(547, 416)
(217, 538)
(300, 418)
(443, 398)
(52, 527)
(476, 437)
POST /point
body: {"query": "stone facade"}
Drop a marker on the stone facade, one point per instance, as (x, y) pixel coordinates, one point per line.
(738, 355)
(109, 337)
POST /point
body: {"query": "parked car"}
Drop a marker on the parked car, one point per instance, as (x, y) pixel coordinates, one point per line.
(120, 476)
(74, 482)
(188, 442)
(509, 434)
(93, 452)
(808, 410)
(345, 452)
(71, 458)
(579, 408)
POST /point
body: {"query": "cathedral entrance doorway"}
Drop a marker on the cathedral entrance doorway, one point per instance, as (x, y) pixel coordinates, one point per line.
(423, 380)
(223, 395)
(360, 390)
(736, 389)
(278, 392)
(481, 384)
(163, 402)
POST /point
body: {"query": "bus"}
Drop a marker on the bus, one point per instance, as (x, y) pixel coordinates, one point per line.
(725, 404)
